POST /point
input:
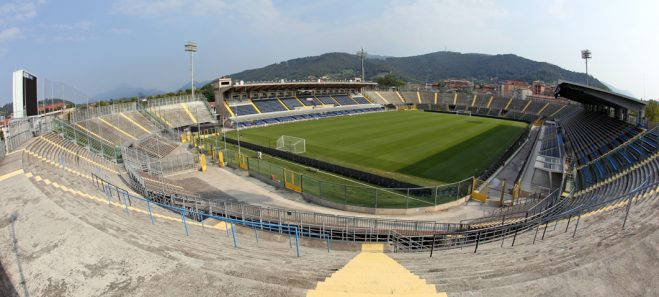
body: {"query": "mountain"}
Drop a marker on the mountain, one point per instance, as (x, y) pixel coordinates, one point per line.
(8, 108)
(619, 91)
(125, 91)
(197, 84)
(377, 57)
(430, 67)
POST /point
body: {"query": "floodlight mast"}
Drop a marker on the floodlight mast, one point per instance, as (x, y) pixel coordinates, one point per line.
(586, 54)
(191, 47)
(362, 55)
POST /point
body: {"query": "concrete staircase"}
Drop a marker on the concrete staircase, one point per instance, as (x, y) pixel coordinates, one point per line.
(372, 274)
(599, 239)
(258, 268)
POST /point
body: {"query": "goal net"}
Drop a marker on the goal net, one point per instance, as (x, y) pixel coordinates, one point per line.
(464, 112)
(291, 144)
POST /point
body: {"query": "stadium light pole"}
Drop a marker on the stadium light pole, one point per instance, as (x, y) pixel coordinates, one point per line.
(191, 47)
(586, 54)
(362, 55)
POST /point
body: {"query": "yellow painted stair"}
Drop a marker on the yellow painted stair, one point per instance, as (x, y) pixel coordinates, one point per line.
(372, 273)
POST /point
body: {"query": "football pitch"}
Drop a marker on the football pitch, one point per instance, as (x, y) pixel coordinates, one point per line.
(422, 148)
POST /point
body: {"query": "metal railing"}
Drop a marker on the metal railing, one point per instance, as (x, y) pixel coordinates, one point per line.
(157, 166)
(3, 149)
(527, 212)
(155, 102)
(19, 131)
(85, 139)
(89, 112)
(133, 202)
(168, 115)
(474, 237)
(336, 194)
(337, 227)
(406, 235)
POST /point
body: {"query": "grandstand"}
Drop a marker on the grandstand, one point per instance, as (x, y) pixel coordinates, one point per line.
(486, 105)
(266, 103)
(137, 213)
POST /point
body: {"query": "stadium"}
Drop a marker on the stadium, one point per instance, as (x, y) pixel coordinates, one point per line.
(335, 188)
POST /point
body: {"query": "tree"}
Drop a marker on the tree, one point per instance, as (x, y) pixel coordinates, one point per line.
(208, 92)
(390, 80)
(652, 111)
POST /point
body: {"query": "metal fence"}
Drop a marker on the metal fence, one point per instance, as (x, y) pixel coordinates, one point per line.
(155, 102)
(19, 131)
(3, 150)
(84, 139)
(406, 235)
(348, 194)
(89, 112)
(136, 203)
(158, 166)
(317, 225)
(564, 210)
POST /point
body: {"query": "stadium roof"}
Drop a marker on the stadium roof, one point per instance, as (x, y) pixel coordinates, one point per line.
(287, 85)
(595, 96)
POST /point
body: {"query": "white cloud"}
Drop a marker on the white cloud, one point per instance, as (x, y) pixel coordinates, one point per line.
(9, 34)
(18, 10)
(158, 8)
(420, 26)
(557, 8)
(78, 26)
(120, 31)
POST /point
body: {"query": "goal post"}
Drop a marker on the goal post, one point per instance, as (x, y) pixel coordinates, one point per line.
(291, 144)
(464, 112)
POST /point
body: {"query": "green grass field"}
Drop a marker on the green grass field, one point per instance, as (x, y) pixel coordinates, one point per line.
(418, 147)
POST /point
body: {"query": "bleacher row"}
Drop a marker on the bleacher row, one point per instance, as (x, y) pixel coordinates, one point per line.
(129, 126)
(639, 175)
(625, 156)
(259, 106)
(118, 128)
(488, 105)
(183, 114)
(594, 134)
(300, 117)
(156, 146)
(602, 146)
(552, 142)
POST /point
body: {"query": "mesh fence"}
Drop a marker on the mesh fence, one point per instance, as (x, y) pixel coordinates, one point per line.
(347, 193)
(3, 150)
(158, 166)
(83, 138)
(89, 112)
(19, 131)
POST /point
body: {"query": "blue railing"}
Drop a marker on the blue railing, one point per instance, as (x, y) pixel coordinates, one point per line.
(123, 196)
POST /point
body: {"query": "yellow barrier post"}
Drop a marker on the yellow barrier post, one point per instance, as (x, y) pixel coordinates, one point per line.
(183, 140)
(516, 190)
(220, 159)
(242, 162)
(503, 187)
(202, 160)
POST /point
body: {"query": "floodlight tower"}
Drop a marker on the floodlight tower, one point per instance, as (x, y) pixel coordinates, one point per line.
(586, 54)
(362, 55)
(191, 47)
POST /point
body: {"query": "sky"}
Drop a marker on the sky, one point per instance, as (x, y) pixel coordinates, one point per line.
(95, 45)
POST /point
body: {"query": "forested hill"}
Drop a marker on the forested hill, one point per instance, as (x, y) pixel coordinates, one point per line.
(424, 68)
